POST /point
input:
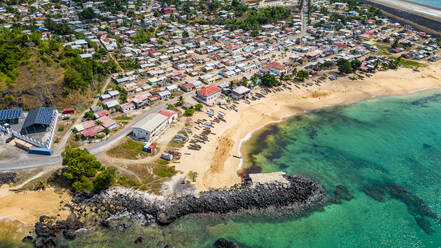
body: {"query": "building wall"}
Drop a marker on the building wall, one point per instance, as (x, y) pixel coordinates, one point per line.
(144, 135)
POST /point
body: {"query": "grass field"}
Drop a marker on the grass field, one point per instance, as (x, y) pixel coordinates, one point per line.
(408, 63)
(129, 149)
(122, 118)
(151, 175)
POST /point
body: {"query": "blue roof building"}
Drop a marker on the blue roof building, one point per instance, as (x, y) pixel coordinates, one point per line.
(38, 120)
(10, 116)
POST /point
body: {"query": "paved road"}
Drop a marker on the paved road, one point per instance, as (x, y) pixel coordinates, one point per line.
(41, 161)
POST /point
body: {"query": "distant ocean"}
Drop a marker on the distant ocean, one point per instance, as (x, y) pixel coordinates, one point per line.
(385, 151)
(434, 3)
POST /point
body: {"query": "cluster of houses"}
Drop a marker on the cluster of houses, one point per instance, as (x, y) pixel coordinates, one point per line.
(208, 60)
(100, 125)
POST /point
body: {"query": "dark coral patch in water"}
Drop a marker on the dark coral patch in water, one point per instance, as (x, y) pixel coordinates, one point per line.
(415, 205)
(376, 193)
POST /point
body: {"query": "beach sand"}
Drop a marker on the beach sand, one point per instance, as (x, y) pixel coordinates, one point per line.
(216, 163)
(28, 206)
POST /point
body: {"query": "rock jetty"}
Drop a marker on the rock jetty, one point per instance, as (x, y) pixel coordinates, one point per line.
(299, 191)
(117, 208)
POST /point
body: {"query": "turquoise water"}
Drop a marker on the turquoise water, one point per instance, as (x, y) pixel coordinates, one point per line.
(433, 3)
(389, 146)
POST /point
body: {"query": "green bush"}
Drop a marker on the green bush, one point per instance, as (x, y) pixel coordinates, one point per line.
(189, 111)
(105, 178)
(198, 107)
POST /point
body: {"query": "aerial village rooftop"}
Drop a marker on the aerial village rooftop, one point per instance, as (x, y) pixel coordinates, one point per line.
(183, 77)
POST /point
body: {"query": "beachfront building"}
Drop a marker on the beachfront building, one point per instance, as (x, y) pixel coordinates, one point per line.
(276, 68)
(240, 92)
(150, 128)
(208, 95)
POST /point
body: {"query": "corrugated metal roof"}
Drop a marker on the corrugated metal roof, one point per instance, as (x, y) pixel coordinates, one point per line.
(151, 122)
(7, 114)
(41, 115)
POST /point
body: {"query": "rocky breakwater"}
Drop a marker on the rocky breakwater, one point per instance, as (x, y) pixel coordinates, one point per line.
(118, 208)
(293, 191)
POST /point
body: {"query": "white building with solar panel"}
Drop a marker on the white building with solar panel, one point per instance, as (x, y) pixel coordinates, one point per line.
(37, 120)
(10, 116)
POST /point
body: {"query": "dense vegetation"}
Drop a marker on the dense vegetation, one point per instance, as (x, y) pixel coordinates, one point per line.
(82, 169)
(81, 73)
(14, 51)
(17, 48)
(253, 18)
(244, 17)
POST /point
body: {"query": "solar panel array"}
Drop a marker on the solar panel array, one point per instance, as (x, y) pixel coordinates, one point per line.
(42, 116)
(8, 114)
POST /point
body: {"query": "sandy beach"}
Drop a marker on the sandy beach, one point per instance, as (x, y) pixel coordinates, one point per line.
(28, 206)
(217, 162)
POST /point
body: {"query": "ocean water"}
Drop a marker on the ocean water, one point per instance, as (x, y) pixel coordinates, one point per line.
(386, 152)
(433, 3)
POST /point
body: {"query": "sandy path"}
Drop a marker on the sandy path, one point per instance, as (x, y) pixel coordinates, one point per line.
(216, 163)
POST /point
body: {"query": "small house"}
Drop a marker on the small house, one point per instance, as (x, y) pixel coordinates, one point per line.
(240, 92)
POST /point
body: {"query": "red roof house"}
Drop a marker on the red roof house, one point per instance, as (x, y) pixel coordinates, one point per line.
(276, 67)
(107, 122)
(171, 115)
(92, 132)
(208, 95)
(88, 124)
(187, 87)
(342, 45)
(101, 113)
(368, 35)
(154, 98)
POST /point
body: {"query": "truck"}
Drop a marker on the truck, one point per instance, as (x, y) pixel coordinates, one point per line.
(40, 151)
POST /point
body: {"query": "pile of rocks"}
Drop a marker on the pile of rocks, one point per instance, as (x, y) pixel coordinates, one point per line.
(8, 177)
(299, 191)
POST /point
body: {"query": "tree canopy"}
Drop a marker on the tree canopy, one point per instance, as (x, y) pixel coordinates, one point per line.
(13, 52)
(270, 80)
(82, 168)
(87, 14)
(355, 64)
(302, 75)
(344, 66)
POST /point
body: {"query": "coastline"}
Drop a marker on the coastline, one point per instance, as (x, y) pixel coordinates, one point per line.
(421, 4)
(243, 142)
(219, 153)
(412, 7)
(422, 17)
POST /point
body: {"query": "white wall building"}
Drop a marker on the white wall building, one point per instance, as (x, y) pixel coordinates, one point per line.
(150, 128)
